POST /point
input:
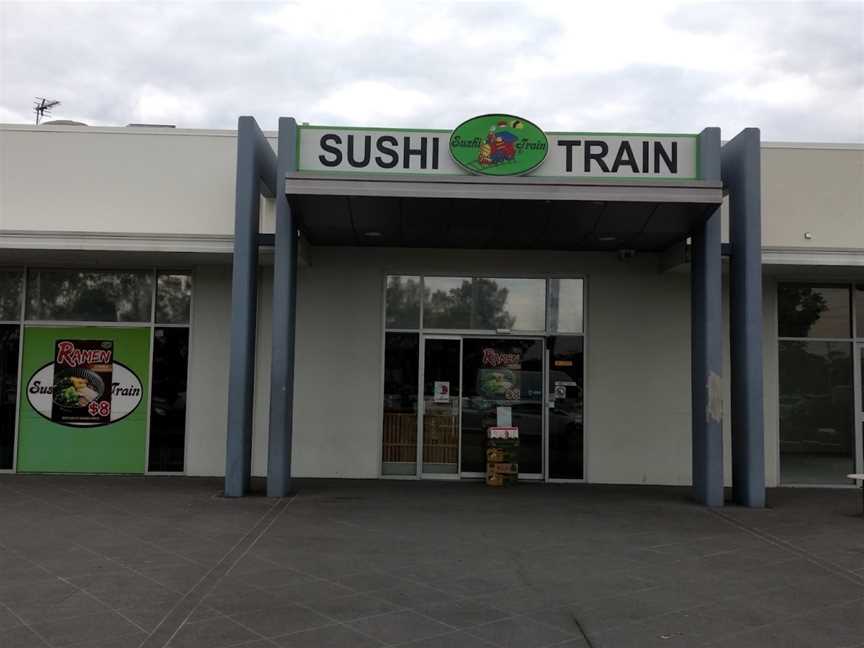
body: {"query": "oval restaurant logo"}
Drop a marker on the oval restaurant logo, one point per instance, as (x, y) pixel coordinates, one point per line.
(498, 145)
(123, 392)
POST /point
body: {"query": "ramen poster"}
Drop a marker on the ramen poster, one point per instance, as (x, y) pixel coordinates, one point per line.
(84, 400)
(82, 385)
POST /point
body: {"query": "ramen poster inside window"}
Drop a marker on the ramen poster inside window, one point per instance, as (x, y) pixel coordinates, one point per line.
(82, 382)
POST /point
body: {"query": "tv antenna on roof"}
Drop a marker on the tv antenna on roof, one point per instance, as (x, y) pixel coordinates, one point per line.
(43, 106)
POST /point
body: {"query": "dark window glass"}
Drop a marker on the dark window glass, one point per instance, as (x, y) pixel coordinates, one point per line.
(496, 373)
(813, 311)
(817, 445)
(9, 336)
(403, 302)
(515, 304)
(566, 389)
(11, 282)
(484, 303)
(447, 302)
(96, 296)
(173, 298)
(859, 311)
(401, 367)
(168, 404)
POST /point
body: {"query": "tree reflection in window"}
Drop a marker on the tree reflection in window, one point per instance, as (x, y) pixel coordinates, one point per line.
(813, 311)
(98, 296)
(466, 303)
(10, 294)
(403, 302)
(173, 298)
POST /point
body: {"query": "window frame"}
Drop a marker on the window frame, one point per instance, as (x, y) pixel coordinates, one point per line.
(23, 322)
(857, 344)
(544, 335)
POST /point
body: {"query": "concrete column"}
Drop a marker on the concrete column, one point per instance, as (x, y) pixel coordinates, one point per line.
(741, 170)
(255, 171)
(706, 339)
(284, 317)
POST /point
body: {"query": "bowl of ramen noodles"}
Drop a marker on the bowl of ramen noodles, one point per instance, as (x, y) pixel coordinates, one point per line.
(77, 388)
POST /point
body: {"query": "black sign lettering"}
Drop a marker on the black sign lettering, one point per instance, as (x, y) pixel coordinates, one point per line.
(597, 156)
(434, 152)
(389, 150)
(408, 152)
(624, 158)
(336, 160)
(671, 162)
(569, 145)
(367, 152)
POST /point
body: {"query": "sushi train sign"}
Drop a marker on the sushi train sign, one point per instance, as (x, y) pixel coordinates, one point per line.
(498, 145)
(84, 386)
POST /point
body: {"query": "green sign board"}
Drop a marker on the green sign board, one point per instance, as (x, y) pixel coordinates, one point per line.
(84, 399)
(498, 145)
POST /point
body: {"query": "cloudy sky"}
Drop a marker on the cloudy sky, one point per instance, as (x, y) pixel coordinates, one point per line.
(794, 69)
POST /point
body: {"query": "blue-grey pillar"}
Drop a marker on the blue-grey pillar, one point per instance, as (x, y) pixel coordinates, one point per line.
(284, 316)
(706, 339)
(255, 174)
(742, 180)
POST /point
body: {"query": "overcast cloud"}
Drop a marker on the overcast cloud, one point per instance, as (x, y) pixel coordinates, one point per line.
(796, 70)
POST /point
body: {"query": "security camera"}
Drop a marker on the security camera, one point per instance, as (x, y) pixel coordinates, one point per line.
(624, 255)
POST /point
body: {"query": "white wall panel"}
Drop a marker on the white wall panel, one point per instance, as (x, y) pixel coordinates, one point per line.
(207, 399)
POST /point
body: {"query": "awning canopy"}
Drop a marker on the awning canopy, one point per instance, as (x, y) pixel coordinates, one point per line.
(504, 213)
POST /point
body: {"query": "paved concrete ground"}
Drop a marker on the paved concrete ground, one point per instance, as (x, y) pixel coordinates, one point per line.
(118, 562)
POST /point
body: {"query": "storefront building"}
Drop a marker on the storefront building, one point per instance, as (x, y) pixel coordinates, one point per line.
(365, 303)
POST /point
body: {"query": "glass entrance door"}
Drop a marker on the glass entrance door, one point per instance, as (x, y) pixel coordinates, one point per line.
(439, 432)
(502, 376)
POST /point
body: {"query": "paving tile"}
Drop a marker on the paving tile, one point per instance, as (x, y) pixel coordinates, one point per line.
(7, 619)
(20, 637)
(399, 627)
(463, 613)
(242, 600)
(82, 629)
(414, 595)
(520, 632)
(125, 589)
(348, 608)
(54, 608)
(311, 591)
(133, 640)
(213, 633)
(333, 636)
(371, 580)
(459, 639)
(281, 620)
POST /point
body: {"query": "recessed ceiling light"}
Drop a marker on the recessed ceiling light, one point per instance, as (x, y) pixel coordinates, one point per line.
(605, 239)
(373, 234)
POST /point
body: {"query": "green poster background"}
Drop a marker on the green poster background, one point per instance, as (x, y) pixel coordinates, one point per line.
(44, 446)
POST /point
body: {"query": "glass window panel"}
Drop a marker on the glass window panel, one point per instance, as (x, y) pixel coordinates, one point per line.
(83, 295)
(168, 404)
(403, 302)
(447, 302)
(9, 336)
(401, 367)
(816, 412)
(859, 311)
(173, 298)
(515, 304)
(500, 372)
(566, 303)
(11, 282)
(805, 310)
(566, 414)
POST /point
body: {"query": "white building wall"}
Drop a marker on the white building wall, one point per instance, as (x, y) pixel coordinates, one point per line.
(207, 392)
(638, 358)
